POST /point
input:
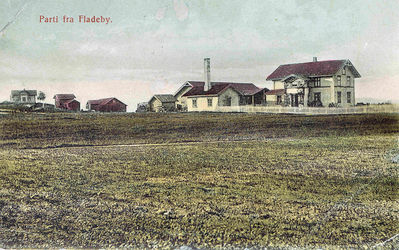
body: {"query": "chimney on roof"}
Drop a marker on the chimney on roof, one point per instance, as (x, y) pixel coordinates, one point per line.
(207, 74)
(314, 59)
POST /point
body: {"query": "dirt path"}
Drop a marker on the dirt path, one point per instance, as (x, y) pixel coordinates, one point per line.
(167, 144)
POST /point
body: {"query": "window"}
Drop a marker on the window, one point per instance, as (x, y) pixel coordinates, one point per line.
(279, 99)
(24, 99)
(344, 71)
(339, 97)
(317, 97)
(348, 80)
(339, 80)
(227, 101)
(209, 102)
(194, 103)
(348, 97)
(317, 82)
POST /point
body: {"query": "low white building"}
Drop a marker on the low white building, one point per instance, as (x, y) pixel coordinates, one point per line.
(208, 96)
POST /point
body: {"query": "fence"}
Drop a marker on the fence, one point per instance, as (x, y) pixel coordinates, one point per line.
(385, 108)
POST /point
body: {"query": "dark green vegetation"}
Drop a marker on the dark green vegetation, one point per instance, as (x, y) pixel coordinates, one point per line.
(291, 180)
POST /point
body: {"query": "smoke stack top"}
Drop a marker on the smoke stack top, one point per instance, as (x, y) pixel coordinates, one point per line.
(207, 74)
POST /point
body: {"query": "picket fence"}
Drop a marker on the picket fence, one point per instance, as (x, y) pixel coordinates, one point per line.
(385, 108)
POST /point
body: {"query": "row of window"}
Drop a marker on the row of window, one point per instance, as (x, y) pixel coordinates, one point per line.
(209, 103)
(317, 81)
(348, 80)
(317, 97)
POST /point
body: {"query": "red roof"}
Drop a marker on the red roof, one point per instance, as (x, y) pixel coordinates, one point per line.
(275, 92)
(64, 96)
(320, 68)
(103, 101)
(67, 102)
(219, 87)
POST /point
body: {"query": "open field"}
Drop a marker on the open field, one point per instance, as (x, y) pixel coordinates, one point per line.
(243, 180)
(61, 129)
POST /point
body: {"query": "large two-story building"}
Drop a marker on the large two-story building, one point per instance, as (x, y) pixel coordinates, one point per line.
(317, 83)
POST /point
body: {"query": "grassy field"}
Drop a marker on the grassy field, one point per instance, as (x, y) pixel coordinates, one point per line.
(201, 180)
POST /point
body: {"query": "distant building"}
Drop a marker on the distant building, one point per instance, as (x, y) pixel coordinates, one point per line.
(142, 107)
(66, 101)
(162, 103)
(208, 96)
(23, 96)
(317, 83)
(106, 105)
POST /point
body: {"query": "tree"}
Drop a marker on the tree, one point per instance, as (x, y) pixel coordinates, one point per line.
(41, 96)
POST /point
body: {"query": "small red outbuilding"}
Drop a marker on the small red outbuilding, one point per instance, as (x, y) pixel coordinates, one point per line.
(66, 101)
(106, 105)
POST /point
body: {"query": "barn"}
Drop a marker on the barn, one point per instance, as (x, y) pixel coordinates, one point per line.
(66, 101)
(106, 105)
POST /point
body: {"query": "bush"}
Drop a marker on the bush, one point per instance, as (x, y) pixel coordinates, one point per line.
(315, 104)
(332, 105)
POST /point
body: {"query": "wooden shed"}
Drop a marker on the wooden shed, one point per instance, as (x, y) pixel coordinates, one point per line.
(106, 105)
(162, 103)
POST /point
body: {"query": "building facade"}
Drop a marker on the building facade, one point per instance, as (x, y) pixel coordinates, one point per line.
(67, 102)
(223, 94)
(208, 96)
(106, 105)
(23, 96)
(317, 84)
(162, 103)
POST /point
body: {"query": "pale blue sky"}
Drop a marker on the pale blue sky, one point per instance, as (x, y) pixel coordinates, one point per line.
(155, 46)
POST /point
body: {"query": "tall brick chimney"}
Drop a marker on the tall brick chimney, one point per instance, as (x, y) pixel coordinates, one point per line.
(207, 74)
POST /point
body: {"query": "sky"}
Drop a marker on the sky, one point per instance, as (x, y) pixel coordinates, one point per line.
(153, 47)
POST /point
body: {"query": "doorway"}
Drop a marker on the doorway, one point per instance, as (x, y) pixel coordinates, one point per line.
(294, 100)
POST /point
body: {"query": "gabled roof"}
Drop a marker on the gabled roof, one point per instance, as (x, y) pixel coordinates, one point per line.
(275, 92)
(218, 87)
(29, 92)
(73, 100)
(312, 69)
(103, 101)
(190, 84)
(64, 96)
(165, 98)
(295, 76)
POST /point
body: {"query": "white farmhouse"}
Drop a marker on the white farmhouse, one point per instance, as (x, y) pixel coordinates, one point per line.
(317, 83)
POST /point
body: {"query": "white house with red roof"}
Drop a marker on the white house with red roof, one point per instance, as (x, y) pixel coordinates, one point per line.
(208, 96)
(317, 83)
